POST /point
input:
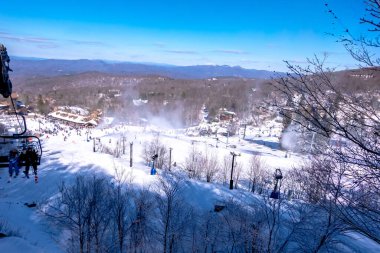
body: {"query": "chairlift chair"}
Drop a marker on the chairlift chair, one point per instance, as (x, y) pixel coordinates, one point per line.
(20, 142)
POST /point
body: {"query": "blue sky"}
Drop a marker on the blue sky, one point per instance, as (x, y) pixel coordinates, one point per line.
(253, 34)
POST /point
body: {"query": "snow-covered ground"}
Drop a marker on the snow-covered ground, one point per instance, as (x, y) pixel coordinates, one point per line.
(69, 153)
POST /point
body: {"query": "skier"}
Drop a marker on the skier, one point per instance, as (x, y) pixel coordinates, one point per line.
(31, 159)
(13, 163)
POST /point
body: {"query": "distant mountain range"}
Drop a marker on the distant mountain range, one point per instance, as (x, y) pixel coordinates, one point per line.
(51, 67)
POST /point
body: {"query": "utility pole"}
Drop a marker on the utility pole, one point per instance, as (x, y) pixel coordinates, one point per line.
(130, 154)
(232, 169)
(170, 158)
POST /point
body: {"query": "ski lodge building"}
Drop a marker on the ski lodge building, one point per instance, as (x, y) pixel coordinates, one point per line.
(73, 119)
(226, 116)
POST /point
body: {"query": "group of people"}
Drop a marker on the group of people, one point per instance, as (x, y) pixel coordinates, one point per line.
(16, 159)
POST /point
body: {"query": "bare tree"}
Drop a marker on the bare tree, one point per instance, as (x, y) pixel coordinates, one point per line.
(210, 164)
(83, 211)
(119, 206)
(174, 214)
(362, 47)
(69, 210)
(226, 168)
(98, 218)
(194, 163)
(298, 233)
(328, 180)
(239, 225)
(156, 147)
(351, 124)
(141, 233)
(255, 172)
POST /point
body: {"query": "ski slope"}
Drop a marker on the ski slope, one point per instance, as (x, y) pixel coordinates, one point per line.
(69, 153)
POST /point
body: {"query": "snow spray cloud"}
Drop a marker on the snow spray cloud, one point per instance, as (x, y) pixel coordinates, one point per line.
(290, 138)
(166, 118)
(138, 111)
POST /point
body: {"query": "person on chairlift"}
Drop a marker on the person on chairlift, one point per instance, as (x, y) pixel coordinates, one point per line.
(31, 159)
(13, 163)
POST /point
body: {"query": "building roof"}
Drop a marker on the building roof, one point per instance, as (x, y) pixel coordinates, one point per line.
(225, 112)
(92, 122)
(71, 117)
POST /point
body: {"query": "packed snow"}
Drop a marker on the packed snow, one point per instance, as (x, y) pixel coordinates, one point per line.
(68, 152)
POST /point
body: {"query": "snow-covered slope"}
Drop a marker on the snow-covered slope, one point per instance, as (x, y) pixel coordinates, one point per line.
(69, 153)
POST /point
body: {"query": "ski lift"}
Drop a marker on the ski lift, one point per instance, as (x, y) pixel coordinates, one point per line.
(5, 83)
(13, 137)
(20, 142)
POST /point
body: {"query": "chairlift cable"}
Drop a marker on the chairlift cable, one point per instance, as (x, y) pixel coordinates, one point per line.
(14, 109)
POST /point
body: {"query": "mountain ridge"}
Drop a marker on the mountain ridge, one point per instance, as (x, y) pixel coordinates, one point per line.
(24, 66)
